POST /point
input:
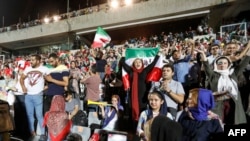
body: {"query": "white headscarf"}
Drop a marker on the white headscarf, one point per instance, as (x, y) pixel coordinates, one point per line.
(225, 83)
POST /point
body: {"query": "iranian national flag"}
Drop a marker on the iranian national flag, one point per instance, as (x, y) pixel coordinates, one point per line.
(101, 38)
(148, 55)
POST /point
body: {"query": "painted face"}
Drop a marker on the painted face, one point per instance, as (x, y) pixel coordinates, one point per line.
(137, 63)
(167, 73)
(155, 102)
(222, 64)
(34, 63)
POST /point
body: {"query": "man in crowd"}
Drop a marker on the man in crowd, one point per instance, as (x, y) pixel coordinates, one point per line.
(173, 90)
(34, 90)
(57, 80)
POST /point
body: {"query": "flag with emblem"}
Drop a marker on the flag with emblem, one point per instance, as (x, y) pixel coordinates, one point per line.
(148, 55)
(101, 38)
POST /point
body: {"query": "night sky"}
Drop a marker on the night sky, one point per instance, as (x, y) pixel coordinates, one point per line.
(15, 10)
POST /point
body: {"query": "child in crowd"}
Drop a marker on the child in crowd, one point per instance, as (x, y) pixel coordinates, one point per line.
(157, 106)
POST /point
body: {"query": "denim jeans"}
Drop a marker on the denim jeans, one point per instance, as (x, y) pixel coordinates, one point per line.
(35, 102)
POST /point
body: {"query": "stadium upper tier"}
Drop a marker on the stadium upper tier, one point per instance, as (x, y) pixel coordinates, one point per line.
(147, 12)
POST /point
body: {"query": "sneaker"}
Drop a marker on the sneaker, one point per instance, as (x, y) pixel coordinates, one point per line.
(43, 138)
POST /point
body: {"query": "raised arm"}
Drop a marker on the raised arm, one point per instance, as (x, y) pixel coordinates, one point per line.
(208, 70)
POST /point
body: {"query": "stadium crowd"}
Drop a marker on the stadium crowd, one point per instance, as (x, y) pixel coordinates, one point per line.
(203, 85)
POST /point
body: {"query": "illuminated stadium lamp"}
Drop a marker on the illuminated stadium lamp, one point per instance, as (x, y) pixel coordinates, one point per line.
(56, 18)
(128, 2)
(46, 20)
(114, 3)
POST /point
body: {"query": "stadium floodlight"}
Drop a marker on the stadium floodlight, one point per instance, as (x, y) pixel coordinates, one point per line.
(56, 18)
(114, 3)
(128, 2)
(46, 20)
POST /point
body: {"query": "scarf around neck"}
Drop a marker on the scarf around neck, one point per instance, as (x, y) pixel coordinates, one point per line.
(225, 83)
(56, 119)
(134, 93)
(112, 115)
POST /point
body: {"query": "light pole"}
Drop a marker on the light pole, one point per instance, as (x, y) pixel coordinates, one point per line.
(67, 19)
(67, 8)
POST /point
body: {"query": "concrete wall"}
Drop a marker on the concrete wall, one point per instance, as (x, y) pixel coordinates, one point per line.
(125, 14)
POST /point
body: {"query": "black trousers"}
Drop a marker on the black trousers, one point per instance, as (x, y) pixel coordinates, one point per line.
(47, 102)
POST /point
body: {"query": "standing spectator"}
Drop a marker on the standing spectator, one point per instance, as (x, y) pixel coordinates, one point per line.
(182, 66)
(223, 82)
(20, 117)
(57, 80)
(92, 82)
(100, 64)
(34, 90)
(139, 87)
(214, 50)
(74, 77)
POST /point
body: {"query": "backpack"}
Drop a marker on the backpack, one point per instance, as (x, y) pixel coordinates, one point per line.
(80, 119)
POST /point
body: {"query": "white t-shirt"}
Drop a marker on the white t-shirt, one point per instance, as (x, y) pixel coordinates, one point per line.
(36, 79)
(112, 123)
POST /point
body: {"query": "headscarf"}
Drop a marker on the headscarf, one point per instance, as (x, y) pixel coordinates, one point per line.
(205, 102)
(134, 93)
(114, 112)
(225, 83)
(163, 129)
(56, 119)
(163, 110)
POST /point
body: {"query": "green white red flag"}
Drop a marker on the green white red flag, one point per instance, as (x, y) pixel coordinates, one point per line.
(101, 38)
(148, 55)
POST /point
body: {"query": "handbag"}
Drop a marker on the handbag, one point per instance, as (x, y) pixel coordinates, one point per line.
(80, 118)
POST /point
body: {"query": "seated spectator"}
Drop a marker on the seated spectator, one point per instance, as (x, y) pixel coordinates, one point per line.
(111, 114)
(165, 129)
(74, 137)
(197, 120)
(157, 106)
(71, 104)
(56, 119)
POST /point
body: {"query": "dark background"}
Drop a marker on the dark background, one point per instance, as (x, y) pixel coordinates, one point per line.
(14, 11)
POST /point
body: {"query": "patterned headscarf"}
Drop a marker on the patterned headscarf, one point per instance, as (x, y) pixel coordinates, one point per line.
(56, 119)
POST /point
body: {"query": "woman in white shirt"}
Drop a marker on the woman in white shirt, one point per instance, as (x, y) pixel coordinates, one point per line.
(111, 114)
